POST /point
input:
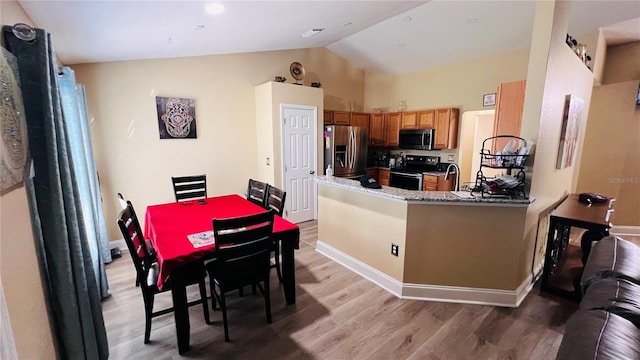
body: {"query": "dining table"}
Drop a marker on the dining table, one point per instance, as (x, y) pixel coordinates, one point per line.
(169, 226)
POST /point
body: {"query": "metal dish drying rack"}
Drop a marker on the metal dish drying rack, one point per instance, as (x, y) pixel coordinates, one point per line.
(495, 186)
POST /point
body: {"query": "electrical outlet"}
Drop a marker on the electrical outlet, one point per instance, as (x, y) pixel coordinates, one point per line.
(394, 249)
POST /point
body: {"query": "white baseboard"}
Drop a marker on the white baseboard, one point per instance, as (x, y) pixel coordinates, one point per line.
(376, 276)
(625, 230)
(119, 243)
(455, 294)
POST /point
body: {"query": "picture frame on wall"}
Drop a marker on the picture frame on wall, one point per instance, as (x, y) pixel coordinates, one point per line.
(489, 99)
(176, 117)
(571, 119)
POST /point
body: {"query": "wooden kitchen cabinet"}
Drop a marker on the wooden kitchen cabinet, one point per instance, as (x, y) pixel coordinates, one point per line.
(360, 119)
(409, 120)
(429, 183)
(384, 175)
(392, 129)
(328, 117)
(437, 183)
(446, 128)
(508, 116)
(341, 118)
(377, 129)
(426, 119)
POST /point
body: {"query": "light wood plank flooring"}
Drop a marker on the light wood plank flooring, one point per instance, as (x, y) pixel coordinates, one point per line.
(338, 315)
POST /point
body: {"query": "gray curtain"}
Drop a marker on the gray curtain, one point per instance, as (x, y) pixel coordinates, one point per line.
(64, 230)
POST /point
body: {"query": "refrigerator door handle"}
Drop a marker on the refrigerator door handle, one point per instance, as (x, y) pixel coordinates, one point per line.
(351, 141)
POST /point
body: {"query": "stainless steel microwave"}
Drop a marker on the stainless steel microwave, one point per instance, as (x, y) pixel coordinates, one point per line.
(416, 139)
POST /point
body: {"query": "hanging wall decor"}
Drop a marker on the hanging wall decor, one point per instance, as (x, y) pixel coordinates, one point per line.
(571, 119)
(14, 144)
(176, 118)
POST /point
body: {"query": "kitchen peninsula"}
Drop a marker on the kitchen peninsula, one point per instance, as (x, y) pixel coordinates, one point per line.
(430, 245)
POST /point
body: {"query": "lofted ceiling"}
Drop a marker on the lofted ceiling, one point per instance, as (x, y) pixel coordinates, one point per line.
(390, 36)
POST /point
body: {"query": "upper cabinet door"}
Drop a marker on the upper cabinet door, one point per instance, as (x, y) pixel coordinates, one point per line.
(508, 117)
(328, 117)
(342, 118)
(409, 120)
(446, 128)
(360, 119)
(393, 129)
(426, 119)
(377, 129)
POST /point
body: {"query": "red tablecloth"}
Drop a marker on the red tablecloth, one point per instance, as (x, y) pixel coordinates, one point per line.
(167, 226)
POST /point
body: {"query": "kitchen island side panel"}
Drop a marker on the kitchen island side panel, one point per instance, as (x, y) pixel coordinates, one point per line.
(464, 246)
(363, 227)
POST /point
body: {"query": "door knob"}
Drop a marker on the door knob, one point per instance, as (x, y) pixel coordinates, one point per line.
(312, 172)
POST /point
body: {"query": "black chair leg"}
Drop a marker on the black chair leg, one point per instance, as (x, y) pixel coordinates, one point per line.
(223, 305)
(203, 297)
(212, 284)
(148, 309)
(277, 258)
(267, 299)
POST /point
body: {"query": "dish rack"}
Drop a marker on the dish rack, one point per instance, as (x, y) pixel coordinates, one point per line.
(513, 156)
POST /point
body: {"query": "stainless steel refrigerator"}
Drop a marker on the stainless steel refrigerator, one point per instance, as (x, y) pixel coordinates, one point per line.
(345, 149)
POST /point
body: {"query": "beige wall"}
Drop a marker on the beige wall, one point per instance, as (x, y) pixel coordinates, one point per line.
(623, 63)
(611, 154)
(124, 127)
(460, 85)
(19, 268)
(562, 73)
(464, 245)
(364, 226)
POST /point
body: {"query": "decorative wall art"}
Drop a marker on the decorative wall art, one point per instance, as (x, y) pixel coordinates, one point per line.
(489, 99)
(176, 118)
(14, 145)
(571, 119)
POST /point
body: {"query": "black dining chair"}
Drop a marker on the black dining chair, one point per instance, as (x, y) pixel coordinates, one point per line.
(257, 192)
(147, 271)
(275, 202)
(189, 187)
(150, 251)
(243, 248)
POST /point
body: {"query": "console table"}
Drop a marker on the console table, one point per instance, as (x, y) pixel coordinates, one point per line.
(572, 213)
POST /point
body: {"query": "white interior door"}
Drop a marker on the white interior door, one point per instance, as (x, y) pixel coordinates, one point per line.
(299, 146)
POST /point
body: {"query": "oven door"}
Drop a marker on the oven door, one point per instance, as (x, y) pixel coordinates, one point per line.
(407, 181)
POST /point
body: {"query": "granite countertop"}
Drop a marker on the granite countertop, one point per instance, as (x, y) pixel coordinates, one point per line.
(415, 196)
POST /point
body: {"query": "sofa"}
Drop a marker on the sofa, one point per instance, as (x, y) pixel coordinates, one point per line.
(607, 323)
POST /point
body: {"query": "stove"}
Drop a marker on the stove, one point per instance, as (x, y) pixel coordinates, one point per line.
(410, 177)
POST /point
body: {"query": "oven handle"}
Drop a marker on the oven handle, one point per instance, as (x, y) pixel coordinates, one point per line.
(414, 176)
(417, 176)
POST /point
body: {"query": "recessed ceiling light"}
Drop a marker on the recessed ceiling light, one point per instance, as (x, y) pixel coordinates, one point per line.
(472, 21)
(310, 33)
(199, 27)
(214, 8)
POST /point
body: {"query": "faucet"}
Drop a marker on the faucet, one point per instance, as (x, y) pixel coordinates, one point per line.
(456, 186)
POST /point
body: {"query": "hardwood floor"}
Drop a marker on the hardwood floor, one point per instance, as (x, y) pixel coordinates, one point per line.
(338, 315)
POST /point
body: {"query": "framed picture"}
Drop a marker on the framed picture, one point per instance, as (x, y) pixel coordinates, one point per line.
(489, 99)
(571, 119)
(176, 118)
